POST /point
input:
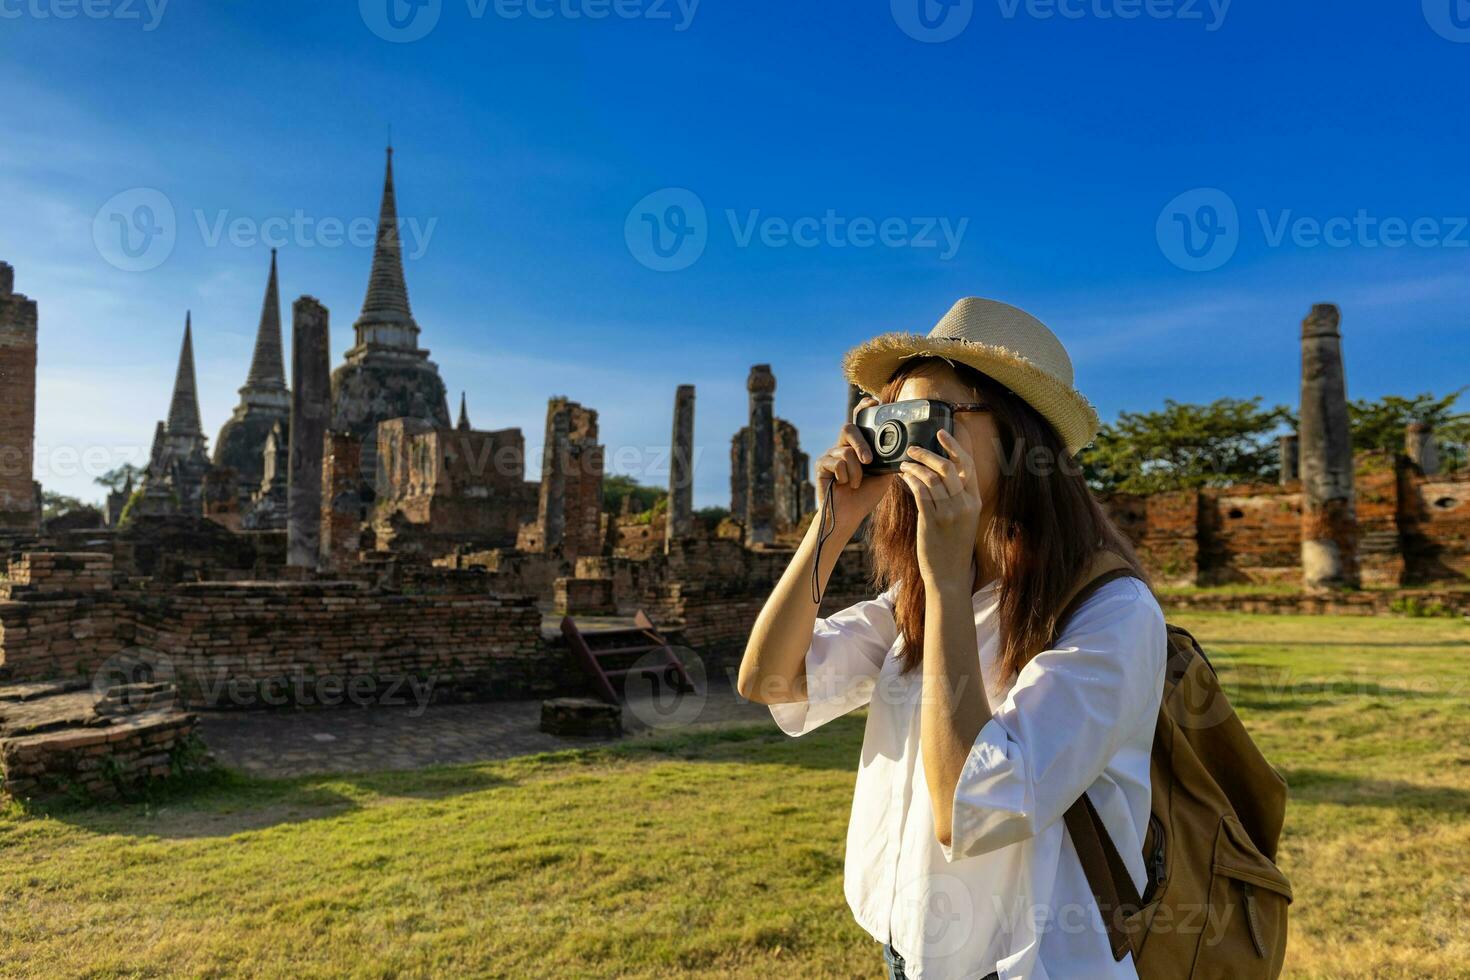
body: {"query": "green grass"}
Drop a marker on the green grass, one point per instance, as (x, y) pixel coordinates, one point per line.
(720, 854)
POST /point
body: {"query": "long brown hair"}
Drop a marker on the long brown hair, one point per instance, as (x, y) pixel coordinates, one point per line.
(1047, 528)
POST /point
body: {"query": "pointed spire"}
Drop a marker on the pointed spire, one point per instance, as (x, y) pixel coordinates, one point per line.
(267, 368)
(155, 455)
(386, 302)
(183, 410)
(464, 415)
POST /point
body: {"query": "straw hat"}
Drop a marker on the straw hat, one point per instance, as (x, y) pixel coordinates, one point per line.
(999, 341)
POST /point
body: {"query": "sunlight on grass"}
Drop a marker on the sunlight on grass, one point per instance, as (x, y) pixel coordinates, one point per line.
(720, 854)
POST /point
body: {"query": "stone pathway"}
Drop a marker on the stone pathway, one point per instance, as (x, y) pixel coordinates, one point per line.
(356, 739)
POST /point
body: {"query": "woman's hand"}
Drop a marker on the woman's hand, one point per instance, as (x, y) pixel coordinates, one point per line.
(854, 493)
(947, 494)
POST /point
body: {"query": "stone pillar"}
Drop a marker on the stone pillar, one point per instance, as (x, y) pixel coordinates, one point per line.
(311, 409)
(681, 466)
(1420, 447)
(19, 515)
(552, 514)
(1329, 517)
(342, 505)
(760, 482)
(1291, 458)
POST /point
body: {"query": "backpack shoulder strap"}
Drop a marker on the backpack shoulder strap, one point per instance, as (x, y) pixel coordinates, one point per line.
(1107, 876)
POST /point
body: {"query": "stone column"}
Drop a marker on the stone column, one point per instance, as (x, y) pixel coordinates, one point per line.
(760, 461)
(554, 460)
(311, 409)
(681, 466)
(19, 515)
(1329, 517)
(1291, 458)
(342, 506)
(1420, 447)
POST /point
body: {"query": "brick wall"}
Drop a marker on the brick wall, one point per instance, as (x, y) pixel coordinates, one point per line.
(1412, 529)
(1380, 540)
(1250, 534)
(227, 642)
(61, 572)
(1436, 520)
(100, 761)
(1164, 528)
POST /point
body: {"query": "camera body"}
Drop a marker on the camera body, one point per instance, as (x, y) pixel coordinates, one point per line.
(892, 428)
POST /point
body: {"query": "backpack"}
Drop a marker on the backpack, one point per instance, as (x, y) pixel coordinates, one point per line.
(1215, 902)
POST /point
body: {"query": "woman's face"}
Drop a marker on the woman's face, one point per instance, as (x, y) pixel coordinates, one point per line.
(975, 431)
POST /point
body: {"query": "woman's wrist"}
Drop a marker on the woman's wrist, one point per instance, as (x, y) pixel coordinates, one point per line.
(950, 588)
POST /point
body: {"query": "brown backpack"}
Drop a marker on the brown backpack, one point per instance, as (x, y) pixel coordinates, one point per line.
(1215, 902)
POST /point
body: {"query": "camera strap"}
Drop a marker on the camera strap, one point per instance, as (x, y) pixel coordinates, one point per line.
(826, 524)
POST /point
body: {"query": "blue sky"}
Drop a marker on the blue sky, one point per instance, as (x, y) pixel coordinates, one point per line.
(1066, 147)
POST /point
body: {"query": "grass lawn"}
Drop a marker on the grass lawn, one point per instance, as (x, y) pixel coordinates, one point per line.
(721, 854)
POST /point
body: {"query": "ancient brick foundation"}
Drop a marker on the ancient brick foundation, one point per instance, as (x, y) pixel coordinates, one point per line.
(1441, 602)
(262, 643)
(1410, 529)
(66, 739)
(584, 596)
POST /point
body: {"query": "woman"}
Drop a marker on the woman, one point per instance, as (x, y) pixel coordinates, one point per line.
(981, 728)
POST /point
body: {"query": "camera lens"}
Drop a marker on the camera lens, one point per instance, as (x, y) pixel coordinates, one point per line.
(890, 438)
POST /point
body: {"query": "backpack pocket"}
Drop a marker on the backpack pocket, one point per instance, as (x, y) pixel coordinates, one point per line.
(1244, 934)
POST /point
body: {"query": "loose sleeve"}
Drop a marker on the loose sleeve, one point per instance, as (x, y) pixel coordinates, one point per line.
(1071, 709)
(842, 664)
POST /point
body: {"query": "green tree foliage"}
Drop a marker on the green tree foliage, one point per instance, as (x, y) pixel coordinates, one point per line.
(1228, 441)
(54, 505)
(710, 517)
(1380, 424)
(615, 489)
(116, 479)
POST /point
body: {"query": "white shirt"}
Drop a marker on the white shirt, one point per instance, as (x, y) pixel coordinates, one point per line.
(1008, 894)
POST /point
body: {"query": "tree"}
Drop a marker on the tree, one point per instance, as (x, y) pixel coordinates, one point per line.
(710, 517)
(54, 505)
(1379, 425)
(617, 488)
(1228, 441)
(116, 479)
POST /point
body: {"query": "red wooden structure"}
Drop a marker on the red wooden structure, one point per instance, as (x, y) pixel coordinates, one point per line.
(624, 651)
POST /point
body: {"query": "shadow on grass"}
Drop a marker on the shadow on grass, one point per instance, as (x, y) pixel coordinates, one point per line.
(1322, 786)
(1345, 645)
(222, 802)
(1290, 696)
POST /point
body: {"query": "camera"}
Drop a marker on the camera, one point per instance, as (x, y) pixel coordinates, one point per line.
(891, 429)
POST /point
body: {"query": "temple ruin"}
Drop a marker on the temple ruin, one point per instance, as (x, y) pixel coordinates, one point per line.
(345, 533)
(20, 505)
